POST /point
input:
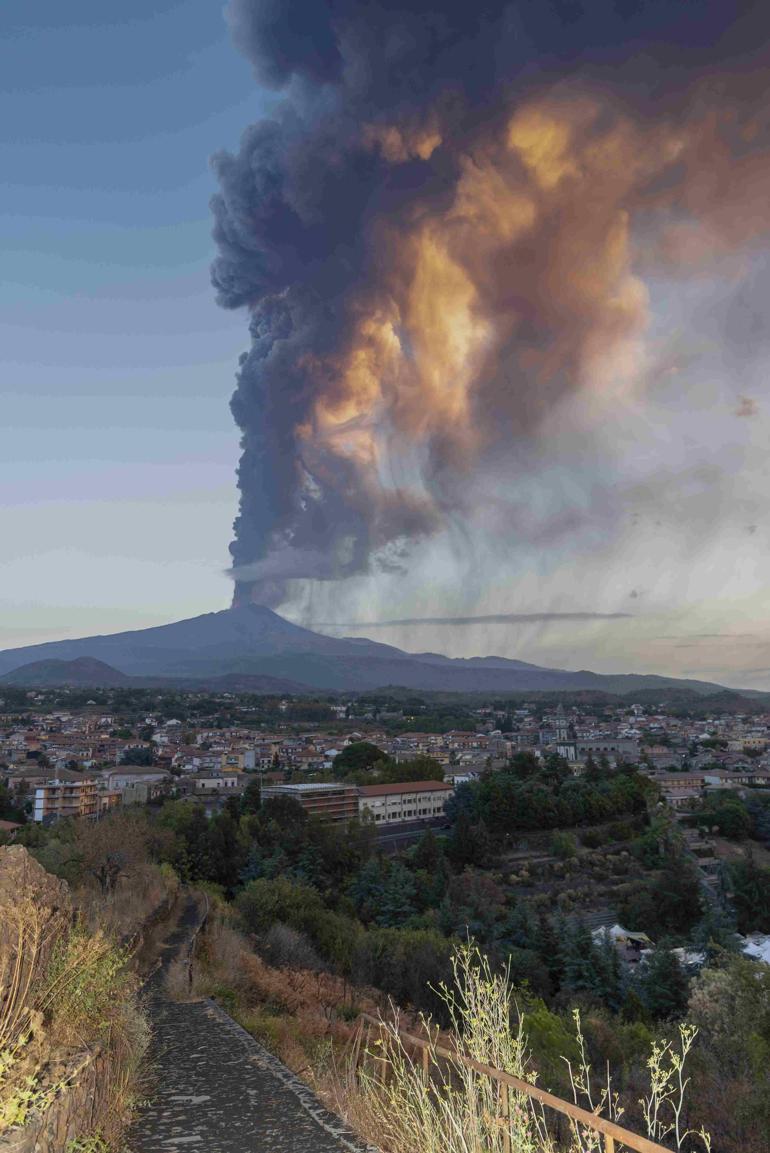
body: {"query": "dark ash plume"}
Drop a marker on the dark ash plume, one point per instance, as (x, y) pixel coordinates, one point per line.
(434, 236)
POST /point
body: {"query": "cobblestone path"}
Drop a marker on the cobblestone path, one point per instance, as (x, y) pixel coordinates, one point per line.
(217, 1090)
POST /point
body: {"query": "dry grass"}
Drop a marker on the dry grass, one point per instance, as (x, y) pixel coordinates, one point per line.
(124, 912)
(29, 933)
(65, 993)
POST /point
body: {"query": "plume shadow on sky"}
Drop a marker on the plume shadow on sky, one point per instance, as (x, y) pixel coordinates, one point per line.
(492, 618)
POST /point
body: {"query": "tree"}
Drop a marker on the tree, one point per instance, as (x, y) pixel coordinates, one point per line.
(726, 812)
(677, 893)
(474, 904)
(409, 964)
(751, 895)
(730, 1004)
(224, 852)
(137, 756)
(264, 902)
(524, 765)
(286, 812)
(10, 810)
(359, 756)
(367, 889)
(669, 904)
(251, 801)
(715, 932)
(563, 845)
(608, 974)
(759, 809)
(418, 769)
(398, 896)
(468, 843)
(578, 959)
(547, 943)
(663, 985)
(555, 771)
(188, 823)
(111, 849)
(428, 853)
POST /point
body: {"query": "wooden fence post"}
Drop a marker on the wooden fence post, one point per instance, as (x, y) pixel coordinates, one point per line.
(505, 1109)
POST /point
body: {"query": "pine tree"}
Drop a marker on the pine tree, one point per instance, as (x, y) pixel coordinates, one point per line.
(578, 959)
(715, 932)
(751, 895)
(397, 904)
(428, 853)
(663, 985)
(547, 942)
(608, 974)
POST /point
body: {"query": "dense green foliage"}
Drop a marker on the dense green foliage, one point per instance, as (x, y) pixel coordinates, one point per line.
(534, 795)
(730, 1004)
(11, 807)
(726, 812)
(669, 901)
(364, 764)
(358, 756)
(751, 895)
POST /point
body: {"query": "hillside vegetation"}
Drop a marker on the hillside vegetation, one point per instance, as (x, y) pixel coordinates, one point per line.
(72, 1033)
(312, 924)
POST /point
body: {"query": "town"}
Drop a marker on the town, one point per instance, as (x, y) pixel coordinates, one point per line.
(63, 754)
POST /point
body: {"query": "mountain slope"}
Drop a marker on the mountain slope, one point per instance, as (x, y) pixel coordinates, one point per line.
(85, 671)
(253, 641)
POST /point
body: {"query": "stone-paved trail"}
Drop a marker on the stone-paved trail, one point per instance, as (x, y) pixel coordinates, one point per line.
(215, 1089)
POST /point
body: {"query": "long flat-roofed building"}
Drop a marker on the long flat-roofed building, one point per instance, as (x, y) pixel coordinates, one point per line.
(327, 800)
(404, 801)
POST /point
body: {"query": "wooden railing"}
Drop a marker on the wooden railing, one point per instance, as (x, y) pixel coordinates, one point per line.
(610, 1133)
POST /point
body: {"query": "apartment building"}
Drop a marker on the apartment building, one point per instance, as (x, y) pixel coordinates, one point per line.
(56, 800)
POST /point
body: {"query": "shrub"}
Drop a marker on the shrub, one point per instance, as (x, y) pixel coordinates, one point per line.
(263, 903)
(563, 845)
(409, 964)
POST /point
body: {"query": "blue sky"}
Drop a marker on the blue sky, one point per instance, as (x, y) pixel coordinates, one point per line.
(117, 447)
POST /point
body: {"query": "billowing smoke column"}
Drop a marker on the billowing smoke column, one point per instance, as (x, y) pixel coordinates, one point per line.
(444, 231)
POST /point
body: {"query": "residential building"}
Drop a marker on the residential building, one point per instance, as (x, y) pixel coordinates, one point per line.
(227, 782)
(679, 788)
(126, 775)
(59, 799)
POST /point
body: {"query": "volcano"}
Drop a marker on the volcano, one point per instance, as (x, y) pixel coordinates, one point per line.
(252, 645)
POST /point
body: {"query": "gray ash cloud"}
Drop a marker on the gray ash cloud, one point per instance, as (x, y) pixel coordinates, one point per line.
(428, 235)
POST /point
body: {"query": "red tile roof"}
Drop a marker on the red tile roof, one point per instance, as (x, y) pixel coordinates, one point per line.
(405, 787)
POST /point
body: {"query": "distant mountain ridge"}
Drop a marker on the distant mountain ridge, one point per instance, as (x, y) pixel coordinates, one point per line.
(251, 643)
(85, 671)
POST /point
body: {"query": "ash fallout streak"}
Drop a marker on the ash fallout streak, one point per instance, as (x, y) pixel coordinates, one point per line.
(447, 234)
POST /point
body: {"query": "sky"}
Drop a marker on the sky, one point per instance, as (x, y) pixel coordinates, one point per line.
(616, 522)
(117, 447)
